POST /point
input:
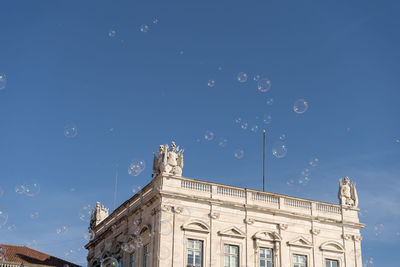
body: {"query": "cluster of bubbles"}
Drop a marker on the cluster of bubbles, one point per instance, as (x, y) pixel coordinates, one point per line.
(270, 101)
(62, 229)
(263, 84)
(30, 188)
(34, 215)
(209, 136)
(305, 174)
(145, 27)
(70, 130)
(254, 127)
(378, 229)
(3, 81)
(86, 213)
(136, 166)
(210, 83)
(300, 106)
(279, 149)
(242, 77)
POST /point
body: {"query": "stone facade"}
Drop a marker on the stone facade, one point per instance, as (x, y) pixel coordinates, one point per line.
(158, 223)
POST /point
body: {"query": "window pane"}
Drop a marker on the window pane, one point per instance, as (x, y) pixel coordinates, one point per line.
(133, 260)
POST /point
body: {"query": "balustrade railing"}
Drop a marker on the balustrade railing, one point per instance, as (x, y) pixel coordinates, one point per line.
(196, 186)
(227, 191)
(297, 203)
(265, 198)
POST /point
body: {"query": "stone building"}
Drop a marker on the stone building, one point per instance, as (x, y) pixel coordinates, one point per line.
(180, 222)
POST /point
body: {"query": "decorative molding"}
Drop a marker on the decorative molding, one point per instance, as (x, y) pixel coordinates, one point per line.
(346, 236)
(214, 215)
(357, 238)
(177, 210)
(332, 246)
(300, 242)
(249, 221)
(315, 231)
(232, 232)
(196, 226)
(166, 208)
(154, 211)
(266, 235)
(283, 226)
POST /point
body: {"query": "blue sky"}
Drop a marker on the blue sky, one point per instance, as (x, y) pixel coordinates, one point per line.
(128, 93)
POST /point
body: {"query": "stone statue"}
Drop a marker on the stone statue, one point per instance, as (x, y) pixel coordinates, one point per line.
(99, 213)
(169, 160)
(347, 193)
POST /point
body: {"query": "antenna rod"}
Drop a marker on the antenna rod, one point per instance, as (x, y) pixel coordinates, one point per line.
(264, 161)
(115, 187)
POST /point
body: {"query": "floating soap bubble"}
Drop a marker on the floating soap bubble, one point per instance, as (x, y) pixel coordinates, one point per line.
(264, 85)
(209, 135)
(238, 153)
(254, 128)
(136, 189)
(62, 230)
(11, 227)
(181, 52)
(85, 213)
(290, 182)
(369, 262)
(313, 162)
(19, 189)
(270, 101)
(32, 188)
(112, 33)
(279, 149)
(222, 142)
(136, 166)
(242, 77)
(109, 262)
(256, 77)
(305, 172)
(128, 247)
(165, 227)
(244, 125)
(267, 119)
(164, 253)
(3, 217)
(378, 229)
(155, 20)
(397, 140)
(34, 215)
(70, 130)
(211, 83)
(144, 28)
(3, 81)
(282, 137)
(219, 68)
(300, 106)
(238, 120)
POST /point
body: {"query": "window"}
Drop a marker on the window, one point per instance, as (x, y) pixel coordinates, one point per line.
(133, 260)
(231, 256)
(266, 258)
(331, 263)
(194, 253)
(299, 260)
(146, 252)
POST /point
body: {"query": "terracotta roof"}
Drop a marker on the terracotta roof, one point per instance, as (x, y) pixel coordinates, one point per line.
(23, 254)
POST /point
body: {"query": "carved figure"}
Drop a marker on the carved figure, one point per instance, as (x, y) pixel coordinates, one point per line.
(347, 193)
(99, 213)
(169, 160)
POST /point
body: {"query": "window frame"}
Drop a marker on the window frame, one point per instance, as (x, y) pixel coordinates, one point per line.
(132, 259)
(235, 244)
(299, 254)
(187, 250)
(331, 259)
(145, 263)
(259, 255)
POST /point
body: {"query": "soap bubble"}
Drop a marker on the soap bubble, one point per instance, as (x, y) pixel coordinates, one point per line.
(112, 33)
(209, 135)
(136, 189)
(19, 189)
(136, 166)
(305, 172)
(267, 119)
(109, 262)
(254, 128)
(164, 253)
(85, 213)
(70, 130)
(313, 162)
(31, 188)
(62, 229)
(369, 262)
(238, 120)
(244, 125)
(3, 216)
(34, 215)
(155, 20)
(300, 106)
(256, 77)
(397, 140)
(144, 28)
(128, 247)
(378, 229)
(11, 227)
(264, 85)
(242, 77)
(165, 227)
(238, 153)
(3, 81)
(279, 149)
(222, 142)
(282, 137)
(211, 83)
(290, 182)
(270, 101)
(219, 68)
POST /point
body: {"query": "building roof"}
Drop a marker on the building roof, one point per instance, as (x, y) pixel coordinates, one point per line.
(23, 254)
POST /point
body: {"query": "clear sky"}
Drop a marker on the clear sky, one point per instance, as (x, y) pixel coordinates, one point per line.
(126, 91)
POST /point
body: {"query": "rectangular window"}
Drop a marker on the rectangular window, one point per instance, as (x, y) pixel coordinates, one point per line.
(266, 257)
(331, 263)
(194, 253)
(146, 252)
(133, 260)
(231, 255)
(299, 260)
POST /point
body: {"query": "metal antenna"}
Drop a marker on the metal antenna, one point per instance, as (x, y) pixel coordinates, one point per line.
(115, 187)
(264, 160)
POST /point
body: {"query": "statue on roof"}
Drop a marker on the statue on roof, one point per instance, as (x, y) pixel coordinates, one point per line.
(99, 213)
(347, 193)
(169, 160)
